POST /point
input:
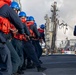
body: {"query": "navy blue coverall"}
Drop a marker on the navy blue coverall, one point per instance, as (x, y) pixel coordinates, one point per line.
(36, 41)
(7, 12)
(30, 51)
(19, 47)
(5, 58)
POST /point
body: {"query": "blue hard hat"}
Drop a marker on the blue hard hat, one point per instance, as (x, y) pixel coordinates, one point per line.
(15, 5)
(42, 26)
(31, 18)
(22, 14)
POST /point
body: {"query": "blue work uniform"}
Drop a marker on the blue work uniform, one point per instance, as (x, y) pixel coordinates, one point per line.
(7, 12)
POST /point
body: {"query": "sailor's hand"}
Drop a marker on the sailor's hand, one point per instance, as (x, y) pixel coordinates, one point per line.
(15, 31)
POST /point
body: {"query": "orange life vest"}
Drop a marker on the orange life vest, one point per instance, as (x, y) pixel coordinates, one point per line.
(3, 2)
(20, 37)
(28, 24)
(17, 35)
(41, 30)
(5, 25)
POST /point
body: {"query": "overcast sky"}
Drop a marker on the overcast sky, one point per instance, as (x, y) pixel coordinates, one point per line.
(67, 12)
